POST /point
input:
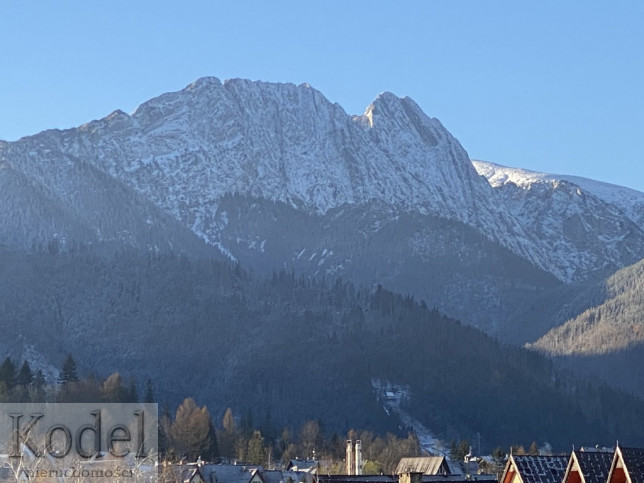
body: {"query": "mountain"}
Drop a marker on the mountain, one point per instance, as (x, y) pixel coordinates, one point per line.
(294, 349)
(48, 197)
(406, 182)
(612, 326)
(588, 227)
(287, 143)
(385, 197)
(595, 327)
(112, 234)
(607, 339)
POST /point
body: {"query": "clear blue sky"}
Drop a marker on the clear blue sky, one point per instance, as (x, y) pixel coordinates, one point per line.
(553, 85)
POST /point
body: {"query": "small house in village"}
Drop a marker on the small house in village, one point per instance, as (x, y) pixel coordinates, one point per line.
(226, 474)
(627, 466)
(534, 469)
(589, 466)
(427, 465)
(307, 465)
(289, 476)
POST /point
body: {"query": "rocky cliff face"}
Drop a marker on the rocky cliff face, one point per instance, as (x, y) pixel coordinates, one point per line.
(276, 176)
(588, 228)
(287, 143)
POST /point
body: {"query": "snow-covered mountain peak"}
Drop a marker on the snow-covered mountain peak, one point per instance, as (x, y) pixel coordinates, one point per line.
(117, 115)
(204, 83)
(185, 150)
(498, 175)
(628, 200)
(589, 226)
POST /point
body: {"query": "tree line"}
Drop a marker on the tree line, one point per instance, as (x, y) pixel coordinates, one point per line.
(190, 432)
(22, 385)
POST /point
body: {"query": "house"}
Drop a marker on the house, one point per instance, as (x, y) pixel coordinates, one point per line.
(226, 474)
(534, 469)
(357, 479)
(589, 466)
(627, 466)
(290, 476)
(307, 465)
(426, 465)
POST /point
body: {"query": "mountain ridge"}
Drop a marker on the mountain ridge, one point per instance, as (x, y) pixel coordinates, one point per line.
(393, 171)
(288, 143)
(584, 228)
(285, 183)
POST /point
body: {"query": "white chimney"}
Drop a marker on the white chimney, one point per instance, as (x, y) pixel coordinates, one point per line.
(349, 458)
(358, 468)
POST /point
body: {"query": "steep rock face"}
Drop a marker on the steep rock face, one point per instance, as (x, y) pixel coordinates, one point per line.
(182, 152)
(629, 201)
(584, 226)
(50, 196)
(287, 143)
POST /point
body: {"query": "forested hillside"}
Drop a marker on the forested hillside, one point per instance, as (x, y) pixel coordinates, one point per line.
(295, 347)
(608, 338)
(614, 325)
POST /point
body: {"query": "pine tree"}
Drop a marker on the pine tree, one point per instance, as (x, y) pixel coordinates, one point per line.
(68, 373)
(132, 395)
(256, 453)
(39, 387)
(149, 394)
(25, 377)
(247, 424)
(8, 373)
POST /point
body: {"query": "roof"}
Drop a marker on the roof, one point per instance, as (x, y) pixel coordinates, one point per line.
(427, 465)
(357, 479)
(394, 479)
(300, 465)
(273, 476)
(633, 462)
(593, 465)
(539, 469)
(227, 473)
(458, 478)
(277, 476)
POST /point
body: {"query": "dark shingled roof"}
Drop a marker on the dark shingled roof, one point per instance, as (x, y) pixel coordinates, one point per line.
(227, 473)
(541, 469)
(634, 463)
(594, 465)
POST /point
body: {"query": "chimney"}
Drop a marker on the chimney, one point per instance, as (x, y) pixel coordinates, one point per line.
(349, 459)
(358, 467)
(410, 477)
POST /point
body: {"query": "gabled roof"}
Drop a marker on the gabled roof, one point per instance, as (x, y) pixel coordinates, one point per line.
(301, 465)
(591, 466)
(535, 468)
(227, 473)
(295, 476)
(631, 462)
(427, 465)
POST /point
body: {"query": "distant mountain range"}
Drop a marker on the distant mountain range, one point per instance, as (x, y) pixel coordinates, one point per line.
(274, 177)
